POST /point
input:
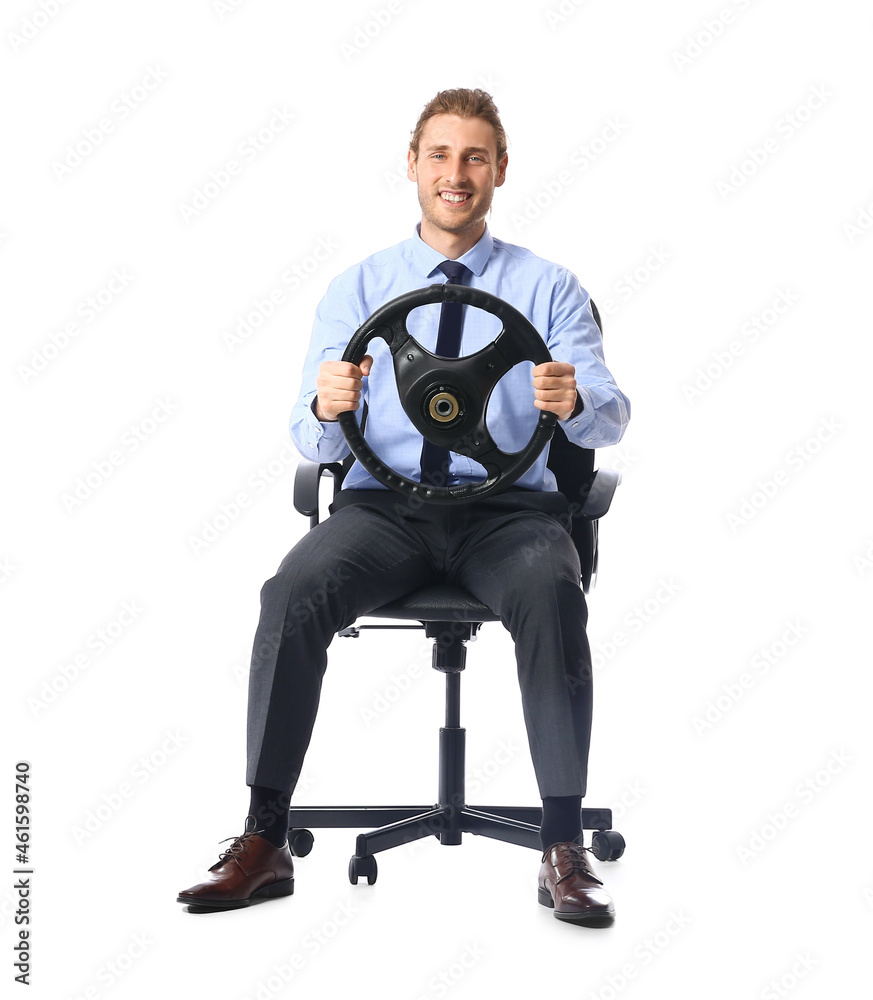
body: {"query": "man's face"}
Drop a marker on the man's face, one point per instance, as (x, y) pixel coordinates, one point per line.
(456, 171)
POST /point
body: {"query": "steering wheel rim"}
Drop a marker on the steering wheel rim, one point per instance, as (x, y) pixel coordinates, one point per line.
(446, 398)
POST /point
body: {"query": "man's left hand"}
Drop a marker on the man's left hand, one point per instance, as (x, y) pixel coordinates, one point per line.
(555, 388)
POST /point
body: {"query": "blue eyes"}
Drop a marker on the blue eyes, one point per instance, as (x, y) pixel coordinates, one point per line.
(477, 159)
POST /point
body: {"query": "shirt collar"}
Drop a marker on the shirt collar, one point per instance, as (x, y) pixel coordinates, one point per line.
(429, 259)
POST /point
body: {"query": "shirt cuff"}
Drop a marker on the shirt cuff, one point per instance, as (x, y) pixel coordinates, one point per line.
(319, 430)
(577, 409)
(578, 425)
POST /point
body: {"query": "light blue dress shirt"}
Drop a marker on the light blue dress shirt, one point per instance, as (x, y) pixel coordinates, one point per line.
(551, 298)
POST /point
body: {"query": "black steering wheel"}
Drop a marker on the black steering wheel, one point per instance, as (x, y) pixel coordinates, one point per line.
(446, 398)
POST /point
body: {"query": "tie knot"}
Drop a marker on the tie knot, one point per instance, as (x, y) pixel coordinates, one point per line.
(455, 271)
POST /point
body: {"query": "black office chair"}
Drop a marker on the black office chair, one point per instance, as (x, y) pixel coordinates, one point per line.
(451, 617)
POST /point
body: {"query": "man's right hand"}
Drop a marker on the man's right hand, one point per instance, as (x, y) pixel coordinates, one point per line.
(339, 385)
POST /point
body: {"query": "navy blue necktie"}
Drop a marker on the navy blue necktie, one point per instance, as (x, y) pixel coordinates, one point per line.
(435, 460)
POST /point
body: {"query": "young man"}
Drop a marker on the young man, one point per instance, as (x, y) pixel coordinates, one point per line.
(374, 547)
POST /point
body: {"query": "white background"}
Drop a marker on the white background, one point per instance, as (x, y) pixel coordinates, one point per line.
(746, 861)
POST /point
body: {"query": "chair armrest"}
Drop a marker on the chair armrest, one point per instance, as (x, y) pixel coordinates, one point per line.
(306, 482)
(601, 493)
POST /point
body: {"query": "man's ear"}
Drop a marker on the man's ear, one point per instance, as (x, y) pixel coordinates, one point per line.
(501, 170)
(410, 165)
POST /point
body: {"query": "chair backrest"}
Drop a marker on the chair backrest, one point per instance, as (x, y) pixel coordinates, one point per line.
(573, 468)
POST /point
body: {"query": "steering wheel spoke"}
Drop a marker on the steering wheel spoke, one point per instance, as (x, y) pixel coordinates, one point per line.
(480, 446)
(511, 348)
(487, 367)
(397, 333)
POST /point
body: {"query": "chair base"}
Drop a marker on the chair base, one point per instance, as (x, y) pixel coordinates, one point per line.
(451, 817)
(404, 824)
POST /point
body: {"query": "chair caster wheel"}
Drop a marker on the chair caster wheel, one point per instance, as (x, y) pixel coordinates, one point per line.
(300, 842)
(362, 867)
(607, 845)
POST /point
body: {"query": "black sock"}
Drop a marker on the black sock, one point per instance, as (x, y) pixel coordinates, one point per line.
(270, 808)
(561, 819)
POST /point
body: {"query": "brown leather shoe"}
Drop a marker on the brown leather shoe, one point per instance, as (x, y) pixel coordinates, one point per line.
(249, 871)
(567, 884)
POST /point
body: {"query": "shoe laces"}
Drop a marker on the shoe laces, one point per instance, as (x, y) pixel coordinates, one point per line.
(572, 856)
(239, 844)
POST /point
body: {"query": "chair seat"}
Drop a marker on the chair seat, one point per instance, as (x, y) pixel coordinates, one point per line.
(437, 604)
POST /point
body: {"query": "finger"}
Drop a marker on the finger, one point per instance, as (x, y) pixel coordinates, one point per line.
(550, 382)
(338, 382)
(562, 410)
(340, 395)
(553, 369)
(343, 369)
(330, 409)
(366, 364)
(555, 395)
(563, 388)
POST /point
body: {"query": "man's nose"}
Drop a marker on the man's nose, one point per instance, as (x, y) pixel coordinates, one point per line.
(457, 172)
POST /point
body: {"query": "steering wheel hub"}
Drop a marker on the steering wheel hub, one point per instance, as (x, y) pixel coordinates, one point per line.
(444, 406)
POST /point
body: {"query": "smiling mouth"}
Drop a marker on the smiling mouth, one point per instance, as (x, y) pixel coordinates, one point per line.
(455, 197)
